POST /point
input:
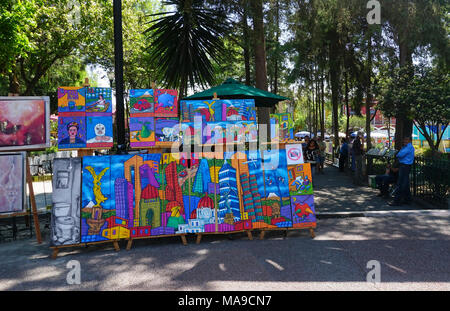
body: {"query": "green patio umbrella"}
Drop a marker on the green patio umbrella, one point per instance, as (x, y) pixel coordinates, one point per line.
(232, 89)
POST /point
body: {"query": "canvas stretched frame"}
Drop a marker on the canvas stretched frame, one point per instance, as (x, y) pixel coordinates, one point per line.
(46, 142)
(22, 177)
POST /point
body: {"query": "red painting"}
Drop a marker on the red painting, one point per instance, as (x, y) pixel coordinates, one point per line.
(24, 123)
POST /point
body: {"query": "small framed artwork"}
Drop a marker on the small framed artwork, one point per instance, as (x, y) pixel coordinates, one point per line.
(12, 182)
(24, 123)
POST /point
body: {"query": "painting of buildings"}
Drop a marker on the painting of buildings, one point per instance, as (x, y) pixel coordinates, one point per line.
(12, 182)
(141, 103)
(277, 196)
(72, 100)
(66, 198)
(282, 127)
(24, 123)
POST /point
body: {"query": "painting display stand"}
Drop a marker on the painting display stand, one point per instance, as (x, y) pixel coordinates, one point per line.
(285, 231)
(33, 203)
(14, 224)
(57, 248)
(181, 235)
(200, 234)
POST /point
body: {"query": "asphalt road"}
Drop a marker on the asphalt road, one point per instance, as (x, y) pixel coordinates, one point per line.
(413, 249)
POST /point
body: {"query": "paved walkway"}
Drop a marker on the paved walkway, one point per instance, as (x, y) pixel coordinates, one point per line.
(412, 247)
(334, 193)
(412, 251)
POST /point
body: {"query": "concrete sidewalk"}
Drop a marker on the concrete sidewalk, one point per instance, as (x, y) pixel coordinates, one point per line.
(413, 250)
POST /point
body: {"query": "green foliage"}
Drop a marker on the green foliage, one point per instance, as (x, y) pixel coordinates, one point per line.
(184, 43)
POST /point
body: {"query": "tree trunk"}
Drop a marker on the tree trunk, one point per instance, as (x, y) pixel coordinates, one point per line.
(368, 89)
(260, 60)
(334, 81)
(246, 43)
(347, 106)
(403, 125)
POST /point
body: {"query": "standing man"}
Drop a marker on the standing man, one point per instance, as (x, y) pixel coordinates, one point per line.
(406, 158)
(358, 151)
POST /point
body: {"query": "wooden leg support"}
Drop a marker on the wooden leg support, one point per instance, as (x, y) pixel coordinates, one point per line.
(261, 235)
(311, 231)
(199, 238)
(250, 236)
(129, 243)
(55, 253)
(116, 246)
(183, 239)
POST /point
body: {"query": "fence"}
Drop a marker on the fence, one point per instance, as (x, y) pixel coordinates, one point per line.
(430, 180)
(429, 177)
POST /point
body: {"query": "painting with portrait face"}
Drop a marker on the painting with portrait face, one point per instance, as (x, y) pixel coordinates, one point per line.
(99, 132)
(71, 132)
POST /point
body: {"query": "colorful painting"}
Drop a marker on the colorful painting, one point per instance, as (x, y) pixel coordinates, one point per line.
(276, 184)
(300, 179)
(96, 204)
(12, 182)
(303, 212)
(72, 100)
(66, 198)
(282, 127)
(142, 103)
(99, 132)
(217, 110)
(167, 130)
(98, 101)
(24, 123)
(71, 132)
(142, 132)
(166, 103)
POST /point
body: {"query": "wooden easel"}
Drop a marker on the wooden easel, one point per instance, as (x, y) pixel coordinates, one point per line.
(33, 203)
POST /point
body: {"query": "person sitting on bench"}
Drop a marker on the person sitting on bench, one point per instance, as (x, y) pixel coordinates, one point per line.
(389, 177)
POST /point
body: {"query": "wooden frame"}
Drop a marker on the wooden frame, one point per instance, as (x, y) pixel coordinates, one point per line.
(55, 249)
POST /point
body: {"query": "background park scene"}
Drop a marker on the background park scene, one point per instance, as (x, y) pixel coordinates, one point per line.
(337, 71)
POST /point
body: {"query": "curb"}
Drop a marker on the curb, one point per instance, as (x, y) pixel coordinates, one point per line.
(396, 213)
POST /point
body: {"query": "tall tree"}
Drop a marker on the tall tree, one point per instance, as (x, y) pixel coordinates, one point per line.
(184, 42)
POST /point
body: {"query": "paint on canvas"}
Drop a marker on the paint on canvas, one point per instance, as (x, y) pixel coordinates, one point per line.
(66, 198)
(142, 102)
(303, 212)
(142, 131)
(98, 100)
(167, 129)
(24, 123)
(12, 182)
(99, 132)
(71, 100)
(71, 132)
(96, 205)
(300, 179)
(166, 103)
(276, 185)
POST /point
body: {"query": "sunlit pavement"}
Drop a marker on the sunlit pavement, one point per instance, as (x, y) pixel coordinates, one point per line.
(412, 249)
(412, 246)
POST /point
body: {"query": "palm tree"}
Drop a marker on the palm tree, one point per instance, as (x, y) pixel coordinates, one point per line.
(185, 41)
